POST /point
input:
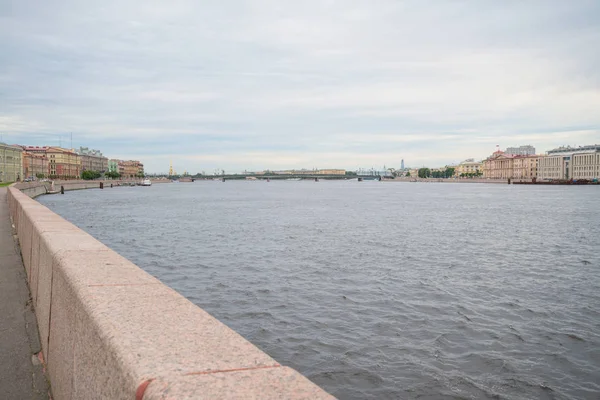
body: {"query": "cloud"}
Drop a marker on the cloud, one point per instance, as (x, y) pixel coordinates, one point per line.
(268, 84)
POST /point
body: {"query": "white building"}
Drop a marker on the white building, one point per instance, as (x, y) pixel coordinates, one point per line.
(586, 165)
(571, 163)
(374, 172)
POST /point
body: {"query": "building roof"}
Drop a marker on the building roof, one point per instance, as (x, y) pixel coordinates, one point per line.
(572, 153)
(56, 149)
(85, 151)
(11, 146)
(498, 154)
(592, 148)
(528, 156)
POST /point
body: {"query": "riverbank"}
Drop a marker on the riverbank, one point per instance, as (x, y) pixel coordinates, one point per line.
(496, 181)
(103, 319)
(450, 180)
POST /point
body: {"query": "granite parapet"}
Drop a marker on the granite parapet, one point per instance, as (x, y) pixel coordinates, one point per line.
(108, 329)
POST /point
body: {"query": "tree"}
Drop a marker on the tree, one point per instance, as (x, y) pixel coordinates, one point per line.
(449, 172)
(112, 175)
(89, 175)
(408, 174)
(424, 173)
(40, 176)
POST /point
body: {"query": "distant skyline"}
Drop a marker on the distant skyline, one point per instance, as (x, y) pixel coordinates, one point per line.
(250, 85)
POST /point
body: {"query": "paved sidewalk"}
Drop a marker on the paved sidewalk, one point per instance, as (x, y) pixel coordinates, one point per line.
(19, 338)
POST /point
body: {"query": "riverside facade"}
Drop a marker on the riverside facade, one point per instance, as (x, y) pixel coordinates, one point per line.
(92, 160)
(18, 162)
(469, 166)
(571, 163)
(562, 163)
(11, 163)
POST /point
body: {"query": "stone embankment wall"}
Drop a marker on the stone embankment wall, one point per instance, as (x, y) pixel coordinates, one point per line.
(110, 330)
(34, 189)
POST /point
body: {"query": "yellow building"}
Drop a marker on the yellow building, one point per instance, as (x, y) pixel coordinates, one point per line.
(63, 163)
(469, 166)
(526, 167)
(11, 163)
(331, 172)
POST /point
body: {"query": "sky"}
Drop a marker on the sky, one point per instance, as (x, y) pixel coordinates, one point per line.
(253, 85)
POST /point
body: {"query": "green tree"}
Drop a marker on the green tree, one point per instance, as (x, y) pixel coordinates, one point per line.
(89, 175)
(424, 173)
(408, 174)
(40, 176)
(449, 172)
(112, 175)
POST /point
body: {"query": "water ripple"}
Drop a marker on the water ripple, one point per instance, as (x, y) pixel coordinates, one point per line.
(380, 291)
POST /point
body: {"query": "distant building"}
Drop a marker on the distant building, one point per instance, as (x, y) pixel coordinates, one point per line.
(402, 165)
(35, 165)
(571, 163)
(307, 172)
(526, 150)
(526, 166)
(113, 166)
(501, 165)
(469, 166)
(130, 168)
(62, 163)
(374, 172)
(11, 163)
(331, 172)
(498, 166)
(92, 160)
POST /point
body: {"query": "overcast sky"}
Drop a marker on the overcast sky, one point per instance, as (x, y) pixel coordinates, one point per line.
(258, 84)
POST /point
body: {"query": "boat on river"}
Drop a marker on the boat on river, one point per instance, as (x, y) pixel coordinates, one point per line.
(146, 182)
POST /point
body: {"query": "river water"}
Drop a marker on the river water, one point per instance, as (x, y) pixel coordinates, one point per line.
(380, 290)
